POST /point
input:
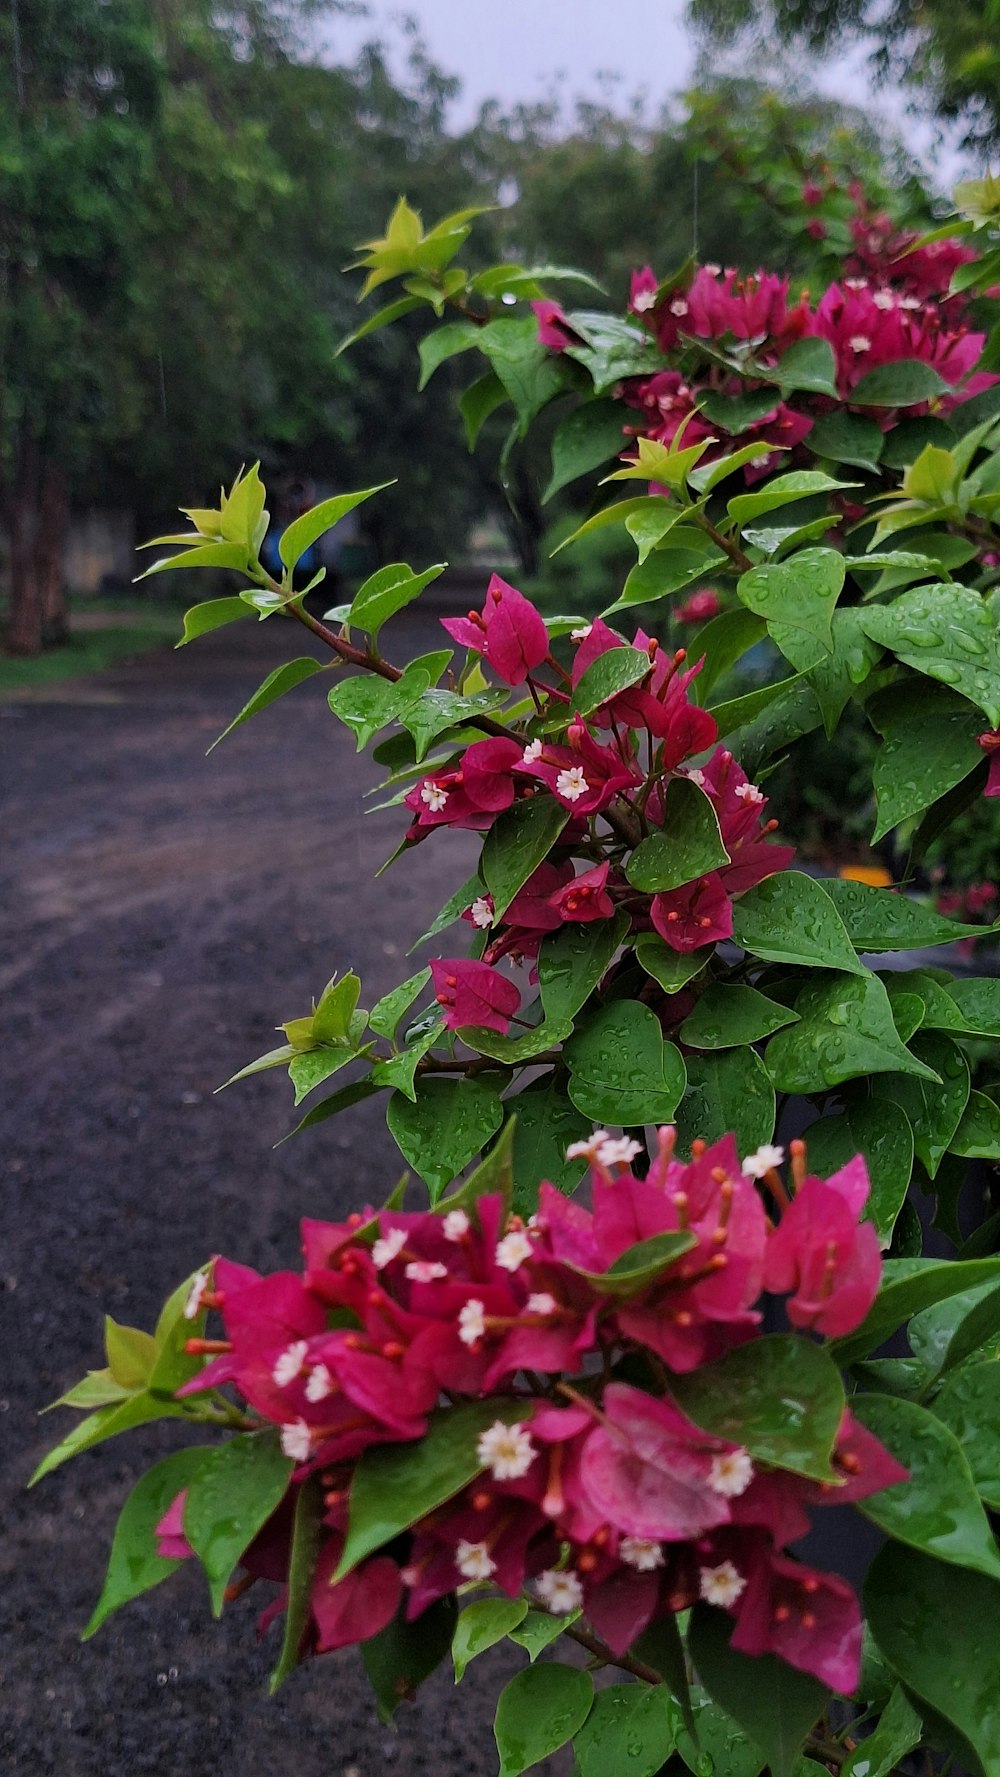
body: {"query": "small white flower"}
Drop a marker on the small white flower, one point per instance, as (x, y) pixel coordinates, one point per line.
(749, 793)
(471, 1322)
(562, 1593)
(910, 302)
(643, 301)
(388, 1248)
(542, 1303)
(456, 1225)
(296, 1441)
(581, 634)
(572, 783)
(506, 1450)
(482, 912)
(425, 1270)
(855, 283)
(474, 1561)
(532, 751)
(712, 269)
(192, 1306)
(512, 1250)
(859, 342)
(696, 776)
(589, 1149)
(320, 1384)
(731, 1474)
(290, 1363)
(434, 796)
(678, 307)
(641, 1553)
(618, 1150)
(722, 1584)
(884, 299)
(755, 1165)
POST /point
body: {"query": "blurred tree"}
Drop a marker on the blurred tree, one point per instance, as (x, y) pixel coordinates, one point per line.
(947, 50)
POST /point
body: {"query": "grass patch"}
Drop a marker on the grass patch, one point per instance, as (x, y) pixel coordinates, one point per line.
(90, 650)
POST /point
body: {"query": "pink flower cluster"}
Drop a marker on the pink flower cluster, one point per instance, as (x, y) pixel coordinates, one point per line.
(587, 772)
(591, 1492)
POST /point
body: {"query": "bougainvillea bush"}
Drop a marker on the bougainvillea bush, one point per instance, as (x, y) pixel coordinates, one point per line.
(599, 1392)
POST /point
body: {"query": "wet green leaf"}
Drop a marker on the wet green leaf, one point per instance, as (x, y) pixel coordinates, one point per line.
(387, 591)
(773, 1702)
(908, 1285)
(211, 614)
(283, 678)
(539, 1630)
(230, 1499)
(883, 1135)
(303, 532)
(790, 918)
(547, 1123)
(934, 1111)
(481, 1625)
(621, 1070)
(671, 968)
(779, 1396)
(882, 919)
(402, 1655)
(537, 1712)
(969, 1404)
(630, 1732)
(690, 846)
(444, 1128)
(134, 1566)
(898, 1730)
(573, 960)
(612, 672)
(846, 1032)
(938, 1509)
(584, 440)
(728, 1017)
(905, 383)
(726, 1091)
(517, 843)
(948, 633)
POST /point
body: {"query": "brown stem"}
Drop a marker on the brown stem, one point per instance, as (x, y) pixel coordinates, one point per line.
(601, 1651)
(733, 550)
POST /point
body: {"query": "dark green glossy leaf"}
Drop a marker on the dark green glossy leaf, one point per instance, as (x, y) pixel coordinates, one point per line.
(784, 490)
(690, 846)
(134, 1566)
(978, 1134)
(478, 401)
(453, 909)
(539, 1630)
(513, 1050)
(395, 1484)
(671, 968)
(402, 1655)
(444, 1127)
(779, 1396)
(572, 961)
(718, 1739)
(846, 1032)
(969, 1404)
(306, 1535)
(929, 744)
(948, 633)
(773, 1702)
(481, 1625)
(530, 373)
(211, 614)
(387, 591)
(928, 1620)
(684, 555)
(443, 343)
(897, 1731)
(948, 1333)
(517, 843)
(908, 1285)
(585, 439)
(303, 532)
(790, 918)
(934, 1111)
(938, 1509)
(834, 675)
(436, 711)
(493, 1176)
(723, 642)
(883, 1135)
(848, 438)
(728, 1017)
(630, 1732)
(639, 1266)
(621, 1069)
(386, 1013)
(610, 673)
(282, 679)
(537, 1712)
(727, 1091)
(808, 364)
(797, 598)
(230, 1498)
(547, 1123)
(978, 1001)
(881, 919)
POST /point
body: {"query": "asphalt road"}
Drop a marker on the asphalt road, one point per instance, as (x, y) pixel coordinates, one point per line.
(160, 914)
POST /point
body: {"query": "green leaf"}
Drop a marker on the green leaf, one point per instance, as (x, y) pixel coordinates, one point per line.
(737, 711)
(446, 1126)
(478, 401)
(940, 1010)
(809, 364)
(282, 679)
(772, 1701)
(934, 1111)
(343, 1099)
(906, 383)
(837, 675)
(671, 968)
(130, 1352)
(948, 633)
(715, 1736)
(848, 438)
(211, 614)
(796, 598)
(650, 521)
(97, 1388)
(573, 960)
(978, 1001)
(882, 919)
(517, 843)
(784, 490)
(513, 1050)
(929, 744)
(387, 591)
(950, 1332)
(230, 1499)
(205, 555)
(615, 348)
(898, 1730)
(395, 1484)
(386, 1013)
(938, 1509)
(584, 440)
(393, 311)
(402, 1655)
(308, 1071)
(610, 673)
(530, 373)
(547, 1123)
(723, 642)
(727, 1091)
(481, 1626)
(790, 918)
(639, 1266)
(365, 703)
(978, 1134)
(779, 1396)
(107, 1422)
(303, 532)
(883, 1135)
(847, 1032)
(445, 342)
(630, 1732)
(333, 1018)
(690, 845)
(621, 1070)
(453, 909)
(969, 1404)
(537, 1712)
(539, 1630)
(908, 1285)
(729, 1017)
(683, 556)
(928, 1620)
(493, 1176)
(435, 711)
(174, 1365)
(306, 1536)
(134, 1566)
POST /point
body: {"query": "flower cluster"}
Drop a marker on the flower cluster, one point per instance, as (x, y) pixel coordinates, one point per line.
(592, 1487)
(620, 760)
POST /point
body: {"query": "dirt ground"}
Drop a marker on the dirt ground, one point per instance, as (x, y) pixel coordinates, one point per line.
(161, 913)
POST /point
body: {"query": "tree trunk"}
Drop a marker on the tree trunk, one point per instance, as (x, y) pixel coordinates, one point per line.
(24, 621)
(50, 541)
